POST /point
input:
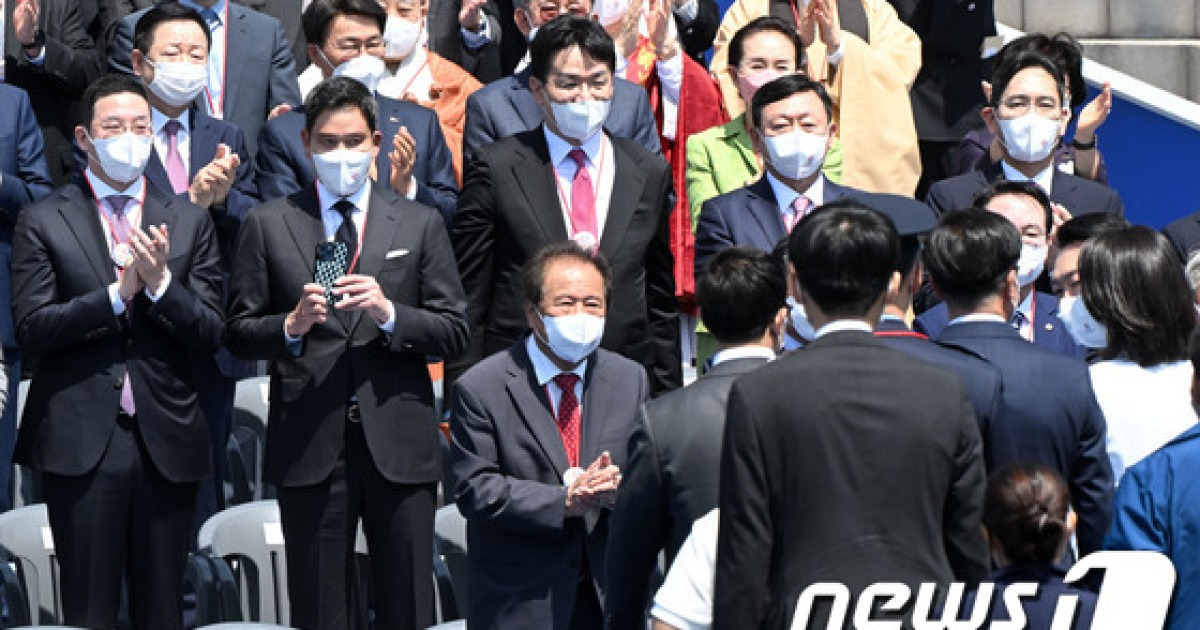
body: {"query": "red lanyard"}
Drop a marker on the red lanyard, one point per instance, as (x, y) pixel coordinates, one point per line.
(217, 110)
(133, 219)
(564, 198)
(362, 234)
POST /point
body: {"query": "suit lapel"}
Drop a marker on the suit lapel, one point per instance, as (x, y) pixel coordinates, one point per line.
(629, 182)
(378, 231)
(305, 224)
(203, 143)
(156, 173)
(765, 210)
(596, 411)
(530, 399)
(523, 102)
(159, 209)
(81, 215)
(237, 35)
(535, 175)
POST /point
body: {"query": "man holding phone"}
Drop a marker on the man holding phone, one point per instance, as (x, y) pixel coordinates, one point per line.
(352, 432)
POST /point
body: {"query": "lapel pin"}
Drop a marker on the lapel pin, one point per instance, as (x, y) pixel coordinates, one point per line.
(1049, 326)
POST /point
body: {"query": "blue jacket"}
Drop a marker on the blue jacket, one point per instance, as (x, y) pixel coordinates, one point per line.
(1049, 331)
(1039, 611)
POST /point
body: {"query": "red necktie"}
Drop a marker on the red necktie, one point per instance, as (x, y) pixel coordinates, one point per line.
(118, 204)
(583, 201)
(569, 417)
(175, 169)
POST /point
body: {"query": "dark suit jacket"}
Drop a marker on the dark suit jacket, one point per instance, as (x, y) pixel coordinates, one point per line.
(508, 459)
(506, 107)
(61, 272)
(865, 466)
(284, 167)
(1076, 194)
(348, 356)
(671, 480)
(1048, 415)
(1049, 331)
(288, 13)
(509, 209)
(72, 62)
(748, 216)
(445, 39)
(260, 72)
(1184, 234)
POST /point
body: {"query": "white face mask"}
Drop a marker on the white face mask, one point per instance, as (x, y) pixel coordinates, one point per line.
(609, 12)
(1031, 263)
(400, 36)
(1029, 138)
(1083, 327)
(123, 157)
(579, 120)
(368, 70)
(799, 320)
(343, 171)
(177, 83)
(573, 337)
(796, 154)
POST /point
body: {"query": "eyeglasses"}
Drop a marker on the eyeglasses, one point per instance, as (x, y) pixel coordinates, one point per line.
(1046, 107)
(547, 11)
(353, 46)
(115, 127)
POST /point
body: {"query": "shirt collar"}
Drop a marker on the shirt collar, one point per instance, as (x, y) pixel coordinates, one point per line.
(1025, 308)
(785, 195)
(103, 190)
(1043, 179)
(892, 318)
(559, 148)
(218, 8)
(544, 369)
(360, 199)
(743, 352)
(160, 120)
(977, 317)
(841, 325)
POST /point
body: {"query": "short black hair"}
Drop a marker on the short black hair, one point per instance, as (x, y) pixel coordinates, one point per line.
(740, 293)
(109, 85)
(844, 253)
(318, 17)
(1024, 188)
(784, 87)
(533, 274)
(1064, 50)
(1085, 226)
(969, 254)
(765, 24)
(147, 25)
(566, 31)
(1009, 67)
(1133, 284)
(335, 93)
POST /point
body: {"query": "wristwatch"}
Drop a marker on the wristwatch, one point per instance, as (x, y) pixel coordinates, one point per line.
(1079, 146)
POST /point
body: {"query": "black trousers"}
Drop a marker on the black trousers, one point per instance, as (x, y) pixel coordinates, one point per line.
(319, 527)
(121, 519)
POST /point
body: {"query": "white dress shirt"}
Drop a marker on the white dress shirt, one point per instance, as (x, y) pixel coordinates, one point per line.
(133, 214)
(602, 167)
(843, 325)
(743, 352)
(544, 372)
(1044, 179)
(785, 195)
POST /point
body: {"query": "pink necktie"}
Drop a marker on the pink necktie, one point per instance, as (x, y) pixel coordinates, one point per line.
(583, 202)
(569, 416)
(121, 230)
(799, 209)
(176, 171)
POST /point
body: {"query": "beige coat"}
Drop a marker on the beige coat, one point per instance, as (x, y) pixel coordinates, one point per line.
(869, 90)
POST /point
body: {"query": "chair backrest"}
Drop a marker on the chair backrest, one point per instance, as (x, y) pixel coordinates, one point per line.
(250, 538)
(26, 483)
(243, 625)
(243, 456)
(25, 538)
(450, 542)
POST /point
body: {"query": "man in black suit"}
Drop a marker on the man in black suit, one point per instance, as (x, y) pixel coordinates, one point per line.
(791, 124)
(826, 482)
(414, 159)
(510, 106)
(1028, 112)
(527, 191)
(1048, 412)
(49, 54)
(112, 419)
(1184, 234)
(675, 453)
(352, 432)
(251, 71)
(539, 438)
(288, 13)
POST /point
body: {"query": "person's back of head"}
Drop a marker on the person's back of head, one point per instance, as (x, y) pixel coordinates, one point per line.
(1025, 514)
(1085, 226)
(972, 258)
(844, 254)
(742, 296)
(1133, 285)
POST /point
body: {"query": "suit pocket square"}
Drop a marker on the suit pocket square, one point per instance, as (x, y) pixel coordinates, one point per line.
(395, 253)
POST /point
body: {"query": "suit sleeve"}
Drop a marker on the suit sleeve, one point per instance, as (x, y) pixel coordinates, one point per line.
(740, 588)
(284, 87)
(645, 126)
(242, 196)
(31, 181)
(72, 61)
(637, 531)
(483, 492)
(472, 237)
(478, 130)
(939, 199)
(712, 234)
(438, 326)
(663, 316)
(965, 546)
(275, 164)
(190, 309)
(436, 186)
(44, 324)
(120, 47)
(252, 330)
(1142, 512)
(1091, 482)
